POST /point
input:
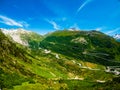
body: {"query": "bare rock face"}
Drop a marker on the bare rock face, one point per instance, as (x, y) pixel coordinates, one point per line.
(81, 40)
(15, 34)
(117, 37)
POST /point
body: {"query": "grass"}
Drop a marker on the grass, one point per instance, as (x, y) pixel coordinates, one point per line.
(36, 70)
(59, 85)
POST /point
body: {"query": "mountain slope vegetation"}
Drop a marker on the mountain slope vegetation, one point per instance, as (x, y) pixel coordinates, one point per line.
(10, 68)
(58, 61)
(91, 46)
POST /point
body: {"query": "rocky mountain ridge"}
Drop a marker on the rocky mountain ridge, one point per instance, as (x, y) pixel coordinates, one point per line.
(23, 37)
(15, 34)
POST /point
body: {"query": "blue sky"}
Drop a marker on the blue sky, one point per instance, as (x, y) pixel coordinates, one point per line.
(43, 16)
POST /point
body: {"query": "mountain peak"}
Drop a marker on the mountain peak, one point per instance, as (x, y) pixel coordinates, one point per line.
(23, 37)
(15, 34)
(14, 31)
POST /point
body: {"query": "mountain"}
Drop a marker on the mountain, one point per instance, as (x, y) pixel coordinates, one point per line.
(23, 37)
(117, 37)
(12, 72)
(18, 66)
(58, 61)
(90, 46)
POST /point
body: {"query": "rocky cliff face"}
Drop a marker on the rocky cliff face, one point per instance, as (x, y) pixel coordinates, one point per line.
(16, 34)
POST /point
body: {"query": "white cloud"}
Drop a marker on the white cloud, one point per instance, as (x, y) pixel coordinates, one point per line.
(113, 31)
(83, 5)
(11, 22)
(98, 29)
(54, 24)
(24, 23)
(60, 19)
(75, 26)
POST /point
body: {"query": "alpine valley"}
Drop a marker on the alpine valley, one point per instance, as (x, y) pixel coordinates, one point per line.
(60, 60)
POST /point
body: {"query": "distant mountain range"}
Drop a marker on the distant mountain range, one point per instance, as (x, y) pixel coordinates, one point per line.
(61, 60)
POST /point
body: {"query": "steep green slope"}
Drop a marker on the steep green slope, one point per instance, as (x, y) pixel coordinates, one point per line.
(11, 71)
(91, 46)
(39, 68)
(18, 65)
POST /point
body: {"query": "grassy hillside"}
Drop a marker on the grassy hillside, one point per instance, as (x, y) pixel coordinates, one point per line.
(18, 66)
(91, 46)
(11, 71)
(47, 67)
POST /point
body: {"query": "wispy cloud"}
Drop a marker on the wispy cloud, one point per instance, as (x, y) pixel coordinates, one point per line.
(100, 28)
(11, 22)
(23, 23)
(54, 24)
(83, 5)
(113, 31)
(75, 25)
